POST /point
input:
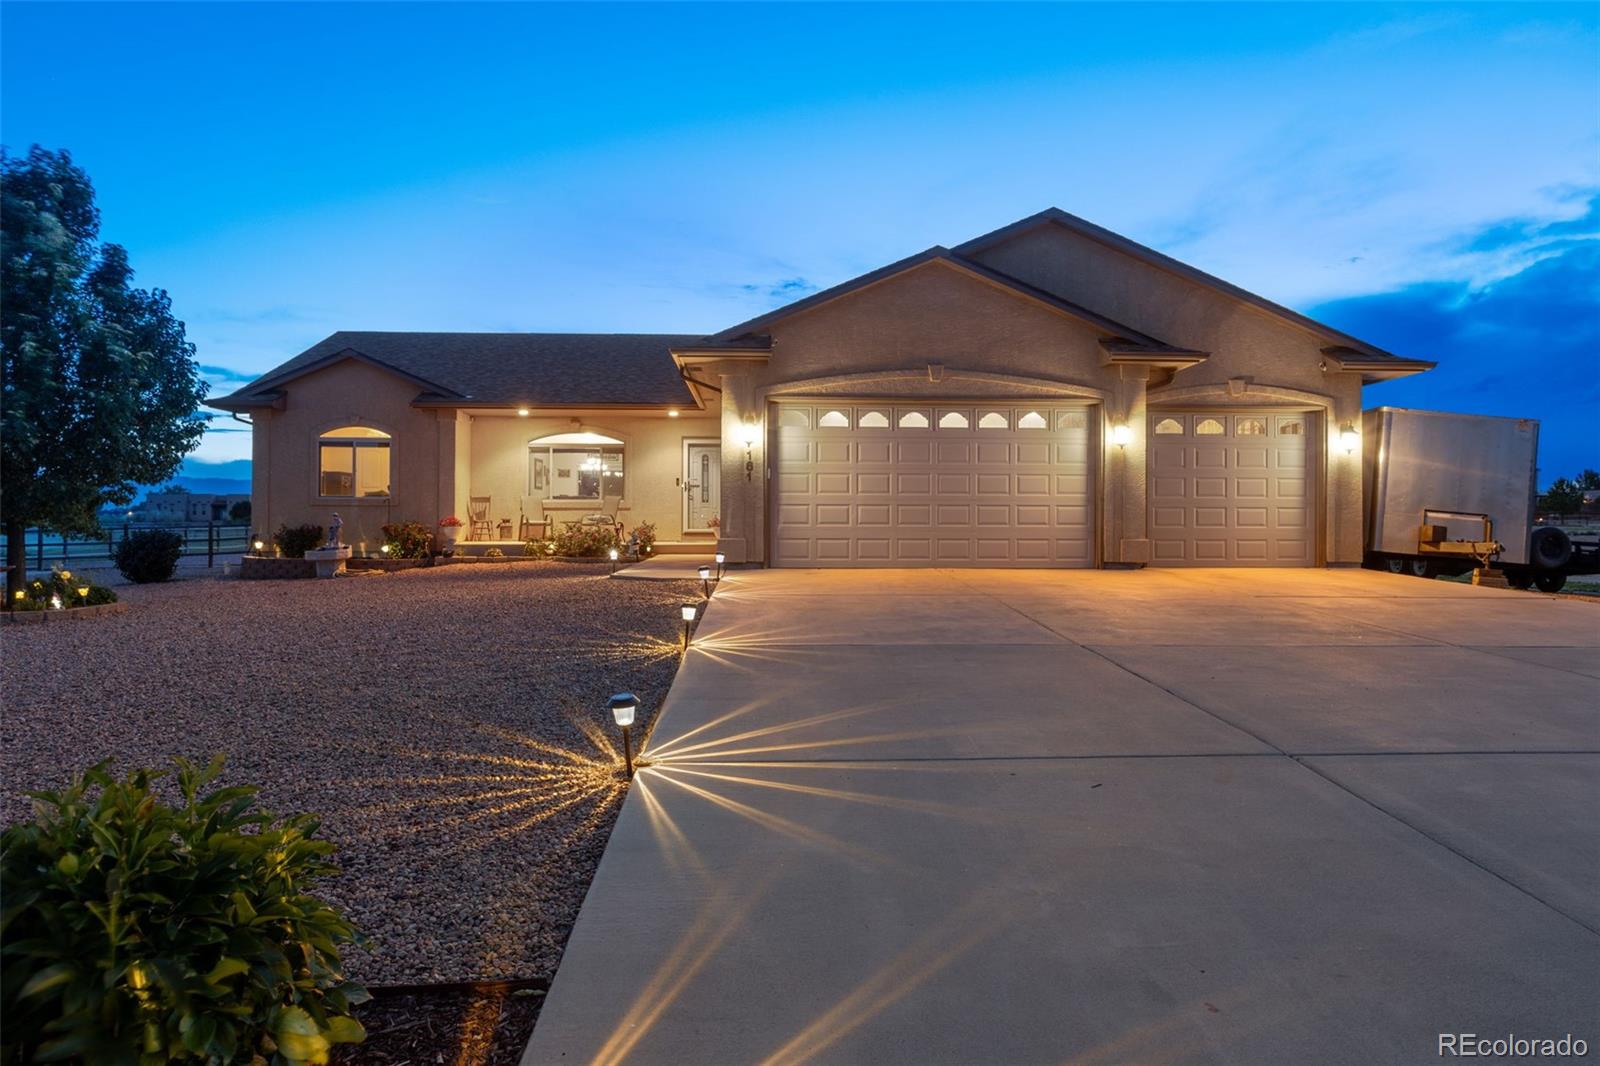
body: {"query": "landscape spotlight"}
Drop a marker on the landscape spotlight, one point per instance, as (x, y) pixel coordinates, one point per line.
(384, 549)
(689, 610)
(624, 705)
(722, 557)
(613, 554)
(1349, 439)
(705, 581)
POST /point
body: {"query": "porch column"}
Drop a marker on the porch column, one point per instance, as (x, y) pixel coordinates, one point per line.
(1127, 538)
(1343, 504)
(452, 460)
(743, 533)
(262, 512)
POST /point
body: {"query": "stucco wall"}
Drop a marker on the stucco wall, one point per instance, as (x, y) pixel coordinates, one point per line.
(653, 464)
(1278, 359)
(348, 393)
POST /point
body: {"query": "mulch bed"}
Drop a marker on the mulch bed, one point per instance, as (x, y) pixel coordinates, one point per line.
(461, 1025)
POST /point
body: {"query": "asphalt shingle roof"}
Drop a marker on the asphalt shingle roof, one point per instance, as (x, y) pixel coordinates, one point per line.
(538, 369)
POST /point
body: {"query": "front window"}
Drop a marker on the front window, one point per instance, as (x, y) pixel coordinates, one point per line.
(353, 461)
(576, 466)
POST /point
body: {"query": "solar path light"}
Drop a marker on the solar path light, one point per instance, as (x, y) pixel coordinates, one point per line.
(624, 705)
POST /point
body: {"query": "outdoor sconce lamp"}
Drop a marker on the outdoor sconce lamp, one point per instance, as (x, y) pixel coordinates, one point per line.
(688, 610)
(1121, 435)
(705, 581)
(259, 545)
(613, 554)
(1349, 439)
(722, 558)
(623, 707)
(747, 433)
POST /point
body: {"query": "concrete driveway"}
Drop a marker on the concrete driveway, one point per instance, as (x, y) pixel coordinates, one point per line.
(1099, 817)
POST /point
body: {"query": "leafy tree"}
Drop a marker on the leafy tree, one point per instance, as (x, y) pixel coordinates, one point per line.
(100, 383)
(240, 511)
(1589, 479)
(1562, 497)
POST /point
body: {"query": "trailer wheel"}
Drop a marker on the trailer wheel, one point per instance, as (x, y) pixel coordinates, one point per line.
(1519, 579)
(1550, 582)
(1549, 548)
(1400, 564)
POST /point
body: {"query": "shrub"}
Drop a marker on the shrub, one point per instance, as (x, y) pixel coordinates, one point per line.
(589, 542)
(142, 931)
(59, 586)
(295, 541)
(149, 555)
(99, 594)
(494, 553)
(646, 532)
(538, 549)
(408, 540)
(240, 512)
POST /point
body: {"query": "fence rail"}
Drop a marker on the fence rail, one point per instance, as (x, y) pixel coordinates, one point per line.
(210, 540)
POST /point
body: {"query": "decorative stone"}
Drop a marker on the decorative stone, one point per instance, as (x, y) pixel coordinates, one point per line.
(329, 561)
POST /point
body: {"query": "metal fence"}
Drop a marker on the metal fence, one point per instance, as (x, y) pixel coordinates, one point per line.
(211, 540)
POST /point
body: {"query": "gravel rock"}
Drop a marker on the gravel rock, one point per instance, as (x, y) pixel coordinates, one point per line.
(448, 725)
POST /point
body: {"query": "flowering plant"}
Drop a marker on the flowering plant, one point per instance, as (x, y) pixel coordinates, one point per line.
(449, 521)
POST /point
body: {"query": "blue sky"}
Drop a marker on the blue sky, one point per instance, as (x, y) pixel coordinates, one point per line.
(1423, 176)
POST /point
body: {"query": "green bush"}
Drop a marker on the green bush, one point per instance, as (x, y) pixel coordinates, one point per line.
(99, 594)
(408, 540)
(589, 542)
(538, 549)
(136, 931)
(295, 541)
(149, 555)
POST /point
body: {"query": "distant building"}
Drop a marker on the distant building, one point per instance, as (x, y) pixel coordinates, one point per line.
(180, 507)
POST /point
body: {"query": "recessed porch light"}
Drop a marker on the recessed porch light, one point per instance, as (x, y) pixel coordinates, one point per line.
(672, 413)
(523, 412)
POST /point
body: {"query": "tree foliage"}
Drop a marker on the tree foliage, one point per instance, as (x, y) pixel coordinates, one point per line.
(100, 383)
(1562, 497)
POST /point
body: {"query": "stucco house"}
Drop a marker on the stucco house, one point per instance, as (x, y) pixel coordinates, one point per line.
(1048, 394)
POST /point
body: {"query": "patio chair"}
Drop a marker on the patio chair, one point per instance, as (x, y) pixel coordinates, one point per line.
(478, 517)
(530, 528)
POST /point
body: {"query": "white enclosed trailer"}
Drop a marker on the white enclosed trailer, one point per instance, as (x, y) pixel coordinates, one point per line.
(1448, 492)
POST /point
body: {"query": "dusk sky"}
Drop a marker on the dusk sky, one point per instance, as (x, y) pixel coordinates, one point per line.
(1426, 177)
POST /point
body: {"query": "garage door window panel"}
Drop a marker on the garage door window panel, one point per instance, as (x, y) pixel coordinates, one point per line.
(913, 419)
(955, 420)
(833, 418)
(872, 418)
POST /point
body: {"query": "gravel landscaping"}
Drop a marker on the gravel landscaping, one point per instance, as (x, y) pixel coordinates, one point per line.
(448, 725)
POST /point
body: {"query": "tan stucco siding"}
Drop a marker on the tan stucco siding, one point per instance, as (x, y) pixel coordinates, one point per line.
(1244, 341)
(348, 393)
(653, 465)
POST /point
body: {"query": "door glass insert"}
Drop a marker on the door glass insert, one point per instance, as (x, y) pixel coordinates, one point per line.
(994, 420)
(1032, 420)
(1245, 426)
(795, 416)
(1165, 426)
(954, 420)
(834, 420)
(913, 420)
(872, 419)
(1209, 427)
(1291, 426)
(1072, 420)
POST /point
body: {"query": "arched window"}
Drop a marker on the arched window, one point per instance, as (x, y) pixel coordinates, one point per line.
(1167, 426)
(913, 420)
(953, 420)
(1209, 427)
(576, 466)
(834, 420)
(994, 420)
(1032, 420)
(353, 463)
(872, 419)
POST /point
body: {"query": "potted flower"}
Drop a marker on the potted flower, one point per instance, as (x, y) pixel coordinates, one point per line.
(449, 531)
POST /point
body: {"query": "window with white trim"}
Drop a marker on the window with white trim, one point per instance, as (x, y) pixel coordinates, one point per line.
(576, 466)
(353, 463)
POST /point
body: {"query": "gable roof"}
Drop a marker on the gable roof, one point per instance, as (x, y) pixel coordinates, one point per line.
(748, 331)
(498, 369)
(1117, 242)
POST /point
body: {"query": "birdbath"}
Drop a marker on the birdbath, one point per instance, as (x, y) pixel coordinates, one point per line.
(330, 558)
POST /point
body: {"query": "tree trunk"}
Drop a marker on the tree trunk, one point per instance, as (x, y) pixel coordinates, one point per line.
(16, 558)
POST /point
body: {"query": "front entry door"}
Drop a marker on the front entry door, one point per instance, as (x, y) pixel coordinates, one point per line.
(702, 485)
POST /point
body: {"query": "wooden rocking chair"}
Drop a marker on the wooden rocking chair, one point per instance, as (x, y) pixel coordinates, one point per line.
(478, 516)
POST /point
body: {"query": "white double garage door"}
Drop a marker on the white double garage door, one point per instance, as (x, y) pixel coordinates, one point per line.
(890, 484)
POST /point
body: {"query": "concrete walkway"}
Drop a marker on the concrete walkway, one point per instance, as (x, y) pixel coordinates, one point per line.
(1102, 817)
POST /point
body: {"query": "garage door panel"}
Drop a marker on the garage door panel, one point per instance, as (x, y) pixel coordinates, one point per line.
(953, 488)
(1230, 490)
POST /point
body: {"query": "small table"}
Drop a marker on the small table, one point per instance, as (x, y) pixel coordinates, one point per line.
(505, 529)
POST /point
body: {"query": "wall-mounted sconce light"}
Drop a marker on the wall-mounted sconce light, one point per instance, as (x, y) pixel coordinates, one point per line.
(1349, 439)
(1122, 435)
(624, 706)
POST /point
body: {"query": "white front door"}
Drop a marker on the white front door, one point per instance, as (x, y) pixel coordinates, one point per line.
(702, 485)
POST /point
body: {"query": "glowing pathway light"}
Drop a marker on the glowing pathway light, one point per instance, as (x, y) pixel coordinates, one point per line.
(259, 545)
(624, 706)
(722, 558)
(705, 581)
(613, 554)
(689, 610)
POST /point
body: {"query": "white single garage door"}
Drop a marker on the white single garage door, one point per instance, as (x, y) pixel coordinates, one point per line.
(1231, 489)
(865, 485)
